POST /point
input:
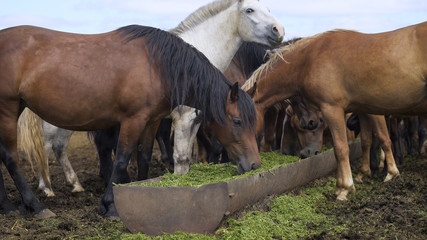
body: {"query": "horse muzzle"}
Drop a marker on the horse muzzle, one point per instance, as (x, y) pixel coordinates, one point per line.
(277, 33)
(243, 167)
(308, 152)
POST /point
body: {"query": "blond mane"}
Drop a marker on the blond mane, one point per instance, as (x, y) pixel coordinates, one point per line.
(277, 55)
(201, 15)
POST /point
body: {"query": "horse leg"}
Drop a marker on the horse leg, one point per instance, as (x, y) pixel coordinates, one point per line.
(335, 119)
(9, 154)
(204, 146)
(408, 133)
(186, 128)
(373, 163)
(146, 150)
(279, 129)
(288, 144)
(105, 142)
(5, 203)
(422, 133)
(396, 138)
(45, 184)
(270, 117)
(385, 142)
(163, 138)
(366, 141)
(130, 132)
(60, 149)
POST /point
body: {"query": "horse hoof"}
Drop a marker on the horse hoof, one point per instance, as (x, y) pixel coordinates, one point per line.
(49, 193)
(78, 188)
(181, 168)
(44, 214)
(337, 191)
(342, 196)
(359, 178)
(109, 212)
(358, 181)
(390, 176)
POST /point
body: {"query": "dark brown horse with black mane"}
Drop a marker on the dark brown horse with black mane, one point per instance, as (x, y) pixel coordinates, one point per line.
(345, 71)
(130, 77)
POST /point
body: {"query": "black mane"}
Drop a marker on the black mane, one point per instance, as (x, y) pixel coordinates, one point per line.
(250, 56)
(188, 74)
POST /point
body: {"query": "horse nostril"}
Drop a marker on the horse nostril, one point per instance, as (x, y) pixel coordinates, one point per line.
(278, 31)
(316, 153)
(275, 30)
(253, 166)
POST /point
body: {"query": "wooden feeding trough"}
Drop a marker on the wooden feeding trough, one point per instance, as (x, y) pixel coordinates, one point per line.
(157, 210)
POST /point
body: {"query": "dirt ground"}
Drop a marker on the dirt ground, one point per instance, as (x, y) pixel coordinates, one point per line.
(397, 209)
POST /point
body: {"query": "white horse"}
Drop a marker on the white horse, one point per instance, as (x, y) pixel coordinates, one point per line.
(217, 30)
(245, 20)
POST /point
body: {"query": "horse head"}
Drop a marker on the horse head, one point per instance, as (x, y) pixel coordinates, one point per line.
(257, 24)
(237, 134)
(308, 117)
(310, 141)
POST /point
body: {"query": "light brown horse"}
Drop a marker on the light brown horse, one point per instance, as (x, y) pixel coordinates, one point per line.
(131, 77)
(298, 141)
(345, 71)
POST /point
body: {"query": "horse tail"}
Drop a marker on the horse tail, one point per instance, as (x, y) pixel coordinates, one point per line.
(31, 138)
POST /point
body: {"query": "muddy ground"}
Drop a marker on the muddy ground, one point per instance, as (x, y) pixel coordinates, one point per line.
(395, 210)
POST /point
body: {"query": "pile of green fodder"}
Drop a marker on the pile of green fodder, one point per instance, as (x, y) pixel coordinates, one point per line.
(201, 174)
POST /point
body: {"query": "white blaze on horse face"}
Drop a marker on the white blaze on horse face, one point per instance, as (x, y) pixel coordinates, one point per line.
(257, 24)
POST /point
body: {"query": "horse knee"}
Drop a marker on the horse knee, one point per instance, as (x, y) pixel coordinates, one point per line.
(58, 148)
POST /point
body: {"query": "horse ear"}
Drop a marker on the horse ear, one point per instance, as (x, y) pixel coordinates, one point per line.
(234, 92)
(252, 94)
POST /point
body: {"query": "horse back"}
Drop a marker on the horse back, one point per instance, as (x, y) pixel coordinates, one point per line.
(362, 67)
(92, 76)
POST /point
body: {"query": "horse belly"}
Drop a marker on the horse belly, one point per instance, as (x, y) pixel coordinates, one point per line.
(70, 103)
(390, 99)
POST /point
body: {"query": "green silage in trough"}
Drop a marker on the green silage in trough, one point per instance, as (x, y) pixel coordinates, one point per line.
(201, 174)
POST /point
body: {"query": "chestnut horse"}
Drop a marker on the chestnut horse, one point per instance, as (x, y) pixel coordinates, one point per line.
(131, 77)
(346, 71)
(301, 142)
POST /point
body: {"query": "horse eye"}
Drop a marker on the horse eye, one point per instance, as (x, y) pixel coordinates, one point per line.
(237, 122)
(249, 10)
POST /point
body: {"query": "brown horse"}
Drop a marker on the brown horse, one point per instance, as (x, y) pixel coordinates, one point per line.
(345, 71)
(130, 77)
(301, 142)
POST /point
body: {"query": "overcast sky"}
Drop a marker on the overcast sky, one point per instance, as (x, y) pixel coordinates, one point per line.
(300, 18)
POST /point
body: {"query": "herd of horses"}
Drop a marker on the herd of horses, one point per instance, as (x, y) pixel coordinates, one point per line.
(121, 86)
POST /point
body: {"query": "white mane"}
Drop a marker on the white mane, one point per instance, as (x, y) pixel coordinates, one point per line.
(202, 14)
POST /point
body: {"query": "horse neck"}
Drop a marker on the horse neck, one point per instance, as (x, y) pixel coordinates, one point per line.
(278, 84)
(217, 37)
